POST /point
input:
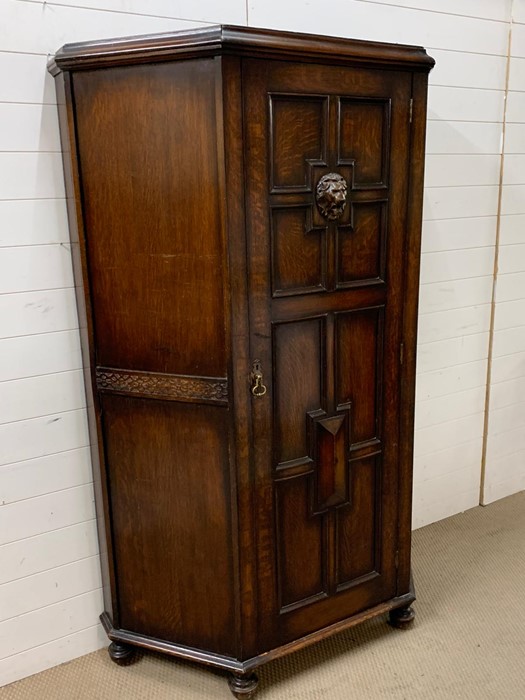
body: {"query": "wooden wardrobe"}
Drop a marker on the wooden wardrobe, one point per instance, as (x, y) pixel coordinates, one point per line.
(245, 214)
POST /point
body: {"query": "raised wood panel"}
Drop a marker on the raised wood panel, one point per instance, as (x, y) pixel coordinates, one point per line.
(363, 139)
(361, 249)
(299, 251)
(298, 385)
(300, 545)
(358, 384)
(157, 292)
(170, 493)
(357, 525)
(298, 137)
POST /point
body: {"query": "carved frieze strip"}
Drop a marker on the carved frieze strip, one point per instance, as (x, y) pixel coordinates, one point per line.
(170, 387)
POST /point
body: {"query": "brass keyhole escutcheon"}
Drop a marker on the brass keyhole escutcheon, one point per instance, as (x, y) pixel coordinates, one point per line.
(258, 388)
(330, 195)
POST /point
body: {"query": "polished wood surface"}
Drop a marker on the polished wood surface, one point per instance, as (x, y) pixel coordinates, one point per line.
(247, 225)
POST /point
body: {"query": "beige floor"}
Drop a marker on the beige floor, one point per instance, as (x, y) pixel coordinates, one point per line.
(468, 640)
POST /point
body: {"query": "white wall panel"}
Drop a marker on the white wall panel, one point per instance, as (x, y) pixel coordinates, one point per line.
(37, 312)
(31, 176)
(454, 323)
(455, 293)
(28, 268)
(43, 475)
(32, 355)
(460, 202)
(28, 127)
(33, 222)
(383, 23)
(463, 137)
(451, 234)
(460, 104)
(448, 381)
(470, 70)
(453, 351)
(25, 79)
(457, 265)
(31, 397)
(42, 436)
(48, 550)
(512, 229)
(459, 170)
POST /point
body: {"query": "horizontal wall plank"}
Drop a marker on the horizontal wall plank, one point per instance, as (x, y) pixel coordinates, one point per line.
(512, 229)
(508, 367)
(31, 176)
(509, 314)
(510, 287)
(453, 234)
(501, 420)
(505, 444)
(518, 11)
(37, 312)
(453, 351)
(49, 587)
(25, 78)
(514, 169)
(44, 475)
(507, 393)
(383, 23)
(471, 70)
(454, 323)
(443, 408)
(458, 265)
(460, 170)
(517, 47)
(34, 28)
(26, 127)
(33, 222)
(41, 396)
(450, 380)
(449, 460)
(44, 513)
(454, 432)
(458, 104)
(511, 259)
(454, 294)
(487, 9)
(509, 341)
(515, 107)
(460, 202)
(231, 11)
(42, 436)
(513, 199)
(464, 137)
(28, 268)
(48, 550)
(436, 500)
(517, 74)
(515, 139)
(58, 651)
(53, 622)
(47, 353)
(516, 483)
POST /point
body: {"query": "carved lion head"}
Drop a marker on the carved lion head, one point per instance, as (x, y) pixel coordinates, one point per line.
(331, 196)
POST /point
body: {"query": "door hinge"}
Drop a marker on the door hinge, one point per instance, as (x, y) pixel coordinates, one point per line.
(396, 559)
(401, 353)
(411, 109)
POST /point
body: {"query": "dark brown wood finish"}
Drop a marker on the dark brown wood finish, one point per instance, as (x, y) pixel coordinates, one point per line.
(243, 222)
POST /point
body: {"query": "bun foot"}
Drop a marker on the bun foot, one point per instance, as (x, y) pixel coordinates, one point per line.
(402, 617)
(243, 685)
(121, 654)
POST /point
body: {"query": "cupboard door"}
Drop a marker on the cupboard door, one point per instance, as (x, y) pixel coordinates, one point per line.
(326, 164)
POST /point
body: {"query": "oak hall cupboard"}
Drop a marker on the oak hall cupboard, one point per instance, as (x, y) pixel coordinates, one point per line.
(245, 214)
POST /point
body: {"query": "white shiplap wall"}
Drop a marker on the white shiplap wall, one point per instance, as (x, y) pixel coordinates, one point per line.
(49, 574)
(505, 439)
